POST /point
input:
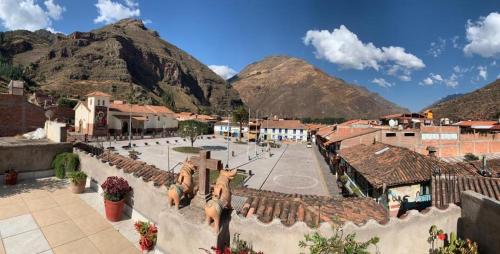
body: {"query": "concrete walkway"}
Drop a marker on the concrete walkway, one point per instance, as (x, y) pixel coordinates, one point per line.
(329, 177)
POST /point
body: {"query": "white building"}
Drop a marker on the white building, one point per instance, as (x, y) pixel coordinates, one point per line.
(220, 128)
(292, 130)
(99, 116)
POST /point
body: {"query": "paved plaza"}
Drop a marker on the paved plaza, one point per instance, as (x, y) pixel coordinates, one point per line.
(292, 168)
(43, 216)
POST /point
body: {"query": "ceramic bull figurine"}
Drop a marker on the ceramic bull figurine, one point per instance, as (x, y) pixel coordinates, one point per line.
(183, 187)
(221, 198)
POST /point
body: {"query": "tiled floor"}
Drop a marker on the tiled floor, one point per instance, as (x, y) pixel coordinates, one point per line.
(43, 216)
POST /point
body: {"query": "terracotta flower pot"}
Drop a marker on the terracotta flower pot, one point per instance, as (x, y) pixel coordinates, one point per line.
(10, 178)
(78, 187)
(114, 209)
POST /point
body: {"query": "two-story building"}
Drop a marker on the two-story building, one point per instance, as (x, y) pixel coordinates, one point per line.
(281, 130)
(222, 127)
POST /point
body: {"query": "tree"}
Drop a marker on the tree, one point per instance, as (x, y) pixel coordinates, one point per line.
(65, 102)
(192, 129)
(240, 115)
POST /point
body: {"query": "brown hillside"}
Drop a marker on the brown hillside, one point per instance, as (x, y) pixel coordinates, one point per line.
(481, 104)
(111, 59)
(290, 87)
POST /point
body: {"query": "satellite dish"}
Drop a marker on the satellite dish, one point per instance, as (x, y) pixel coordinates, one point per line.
(392, 123)
(49, 114)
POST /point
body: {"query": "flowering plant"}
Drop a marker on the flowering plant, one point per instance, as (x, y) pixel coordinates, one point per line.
(148, 232)
(115, 188)
(239, 247)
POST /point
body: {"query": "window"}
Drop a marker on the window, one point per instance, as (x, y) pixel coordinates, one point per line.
(294, 131)
(390, 134)
(274, 130)
(301, 132)
(265, 129)
(279, 130)
(409, 134)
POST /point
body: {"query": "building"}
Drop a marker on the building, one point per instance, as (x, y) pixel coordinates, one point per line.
(407, 120)
(472, 127)
(281, 130)
(221, 128)
(396, 177)
(18, 116)
(98, 116)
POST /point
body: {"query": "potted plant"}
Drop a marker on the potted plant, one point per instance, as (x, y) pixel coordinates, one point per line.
(10, 177)
(78, 179)
(148, 233)
(115, 188)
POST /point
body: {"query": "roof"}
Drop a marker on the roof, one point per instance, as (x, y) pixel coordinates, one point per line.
(473, 124)
(403, 115)
(144, 109)
(283, 124)
(447, 189)
(290, 208)
(98, 93)
(385, 164)
(346, 133)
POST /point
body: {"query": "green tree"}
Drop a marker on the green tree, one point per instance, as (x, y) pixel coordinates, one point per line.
(192, 129)
(240, 115)
(65, 102)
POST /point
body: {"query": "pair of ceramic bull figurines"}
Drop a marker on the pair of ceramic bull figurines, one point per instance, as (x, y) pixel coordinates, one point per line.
(221, 196)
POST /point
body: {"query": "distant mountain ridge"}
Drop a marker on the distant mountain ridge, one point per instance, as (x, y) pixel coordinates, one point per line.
(113, 59)
(481, 104)
(290, 87)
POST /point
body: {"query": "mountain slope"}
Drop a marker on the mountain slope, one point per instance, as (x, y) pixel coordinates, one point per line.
(112, 58)
(290, 87)
(481, 104)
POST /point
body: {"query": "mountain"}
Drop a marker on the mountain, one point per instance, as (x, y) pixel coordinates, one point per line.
(114, 59)
(481, 104)
(290, 87)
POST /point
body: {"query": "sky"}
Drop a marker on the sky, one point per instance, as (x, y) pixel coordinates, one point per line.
(411, 52)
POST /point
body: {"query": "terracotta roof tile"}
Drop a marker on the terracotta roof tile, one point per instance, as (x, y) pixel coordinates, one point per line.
(385, 164)
(446, 189)
(135, 108)
(290, 208)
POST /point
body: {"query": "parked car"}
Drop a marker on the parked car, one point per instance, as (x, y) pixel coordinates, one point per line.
(309, 145)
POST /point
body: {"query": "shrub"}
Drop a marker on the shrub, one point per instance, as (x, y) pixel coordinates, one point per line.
(318, 244)
(470, 157)
(77, 176)
(454, 245)
(115, 188)
(238, 247)
(64, 163)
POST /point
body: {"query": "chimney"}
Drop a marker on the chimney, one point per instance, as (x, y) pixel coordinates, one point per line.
(16, 87)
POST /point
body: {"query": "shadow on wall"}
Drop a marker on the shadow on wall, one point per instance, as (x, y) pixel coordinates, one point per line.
(480, 221)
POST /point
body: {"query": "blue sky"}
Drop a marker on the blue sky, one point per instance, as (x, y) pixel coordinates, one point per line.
(411, 52)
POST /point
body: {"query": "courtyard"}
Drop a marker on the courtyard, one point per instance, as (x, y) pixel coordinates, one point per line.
(291, 168)
(43, 216)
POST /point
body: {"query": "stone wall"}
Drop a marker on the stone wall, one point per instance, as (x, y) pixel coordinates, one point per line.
(480, 221)
(30, 156)
(184, 231)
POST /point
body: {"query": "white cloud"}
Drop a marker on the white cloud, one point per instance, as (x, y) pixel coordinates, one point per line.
(437, 47)
(428, 81)
(54, 10)
(405, 78)
(223, 71)
(452, 80)
(454, 41)
(436, 77)
(484, 36)
(343, 47)
(382, 82)
(483, 72)
(28, 14)
(112, 11)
